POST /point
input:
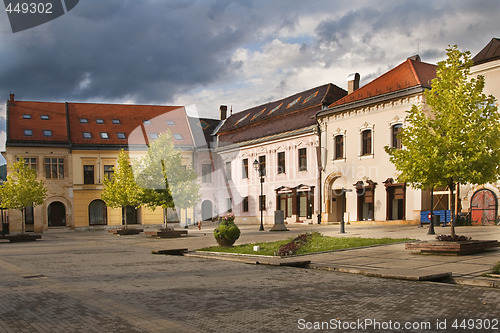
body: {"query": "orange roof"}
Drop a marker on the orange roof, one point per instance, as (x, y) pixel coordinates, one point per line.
(410, 73)
(94, 125)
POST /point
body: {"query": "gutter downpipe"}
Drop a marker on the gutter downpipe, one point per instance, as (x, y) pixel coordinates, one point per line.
(320, 167)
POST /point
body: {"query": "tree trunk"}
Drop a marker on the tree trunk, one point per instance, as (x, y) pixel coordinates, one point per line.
(125, 219)
(22, 220)
(452, 194)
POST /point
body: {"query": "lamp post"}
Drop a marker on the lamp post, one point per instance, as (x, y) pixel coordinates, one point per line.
(342, 223)
(257, 167)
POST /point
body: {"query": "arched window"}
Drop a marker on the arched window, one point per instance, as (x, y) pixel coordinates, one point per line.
(98, 213)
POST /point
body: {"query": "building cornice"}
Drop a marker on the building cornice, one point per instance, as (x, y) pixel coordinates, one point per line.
(372, 100)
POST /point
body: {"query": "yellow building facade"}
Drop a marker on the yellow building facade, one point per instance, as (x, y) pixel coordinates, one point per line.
(73, 147)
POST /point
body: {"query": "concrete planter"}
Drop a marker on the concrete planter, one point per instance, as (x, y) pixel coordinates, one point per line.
(454, 248)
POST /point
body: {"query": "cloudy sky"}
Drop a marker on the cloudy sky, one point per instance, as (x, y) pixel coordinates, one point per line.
(206, 53)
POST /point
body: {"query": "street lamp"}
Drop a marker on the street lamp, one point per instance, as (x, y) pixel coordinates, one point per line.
(342, 223)
(257, 167)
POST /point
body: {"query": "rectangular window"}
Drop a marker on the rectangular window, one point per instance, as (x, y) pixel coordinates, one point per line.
(146, 122)
(244, 168)
(28, 132)
(44, 117)
(121, 135)
(87, 135)
(228, 171)
(47, 133)
(396, 142)
(88, 174)
(99, 121)
(115, 121)
(30, 162)
(245, 204)
(281, 162)
(262, 202)
(262, 164)
(26, 116)
(109, 171)
(366, 142)
(170, 122)
(206, 173)
(153, 136)
(104, 135)
(177, 136)
(84, 120)
(302, 159)
(54, 168)
(339, 147)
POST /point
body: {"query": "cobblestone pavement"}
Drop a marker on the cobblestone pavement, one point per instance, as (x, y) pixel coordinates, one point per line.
(96, 282)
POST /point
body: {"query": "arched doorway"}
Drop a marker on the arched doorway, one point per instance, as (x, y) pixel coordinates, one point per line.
(98, 213)
(206, 210)
(484, 206)
(56, 214)
(335, 198)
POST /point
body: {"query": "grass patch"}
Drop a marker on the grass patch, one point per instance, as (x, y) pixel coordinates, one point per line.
(317, 243)
(496, 268)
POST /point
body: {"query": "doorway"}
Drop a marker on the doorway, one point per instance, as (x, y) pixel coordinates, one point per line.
(56, 214)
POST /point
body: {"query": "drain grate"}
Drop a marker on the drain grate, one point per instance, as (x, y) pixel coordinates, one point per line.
(35, 276)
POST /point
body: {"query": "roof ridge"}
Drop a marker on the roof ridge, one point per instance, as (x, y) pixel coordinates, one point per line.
(414, 71)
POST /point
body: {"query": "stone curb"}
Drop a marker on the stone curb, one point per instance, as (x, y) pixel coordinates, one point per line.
(398, 274)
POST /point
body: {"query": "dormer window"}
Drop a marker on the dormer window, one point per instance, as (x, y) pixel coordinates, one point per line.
(104, 135)
(84, 120)
(99, 121)
(44, 117)
(121, 135)
(47, 133)
(28, 132)
(115, 121)
(87, 135)
(26, 116)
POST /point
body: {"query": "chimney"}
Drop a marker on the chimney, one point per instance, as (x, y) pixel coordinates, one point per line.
(352, 82)
(223, 112)
(416, 57)
(11, 99)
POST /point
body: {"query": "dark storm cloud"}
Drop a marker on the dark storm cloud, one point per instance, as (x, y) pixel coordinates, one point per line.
(142, 50)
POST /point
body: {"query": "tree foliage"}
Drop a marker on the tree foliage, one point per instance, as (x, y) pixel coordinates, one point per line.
(22, 189)
(457, 141)
(166, 181)
(122, 190)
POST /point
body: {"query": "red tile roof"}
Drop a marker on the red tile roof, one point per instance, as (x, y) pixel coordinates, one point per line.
(409, 74)
(27, 116)
(287, 114)
(113, 119)
(488, 53)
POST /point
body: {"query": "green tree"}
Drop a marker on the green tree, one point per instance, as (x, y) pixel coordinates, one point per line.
(457, 140)
(22, 189)
(122, 190)
(166, 181)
